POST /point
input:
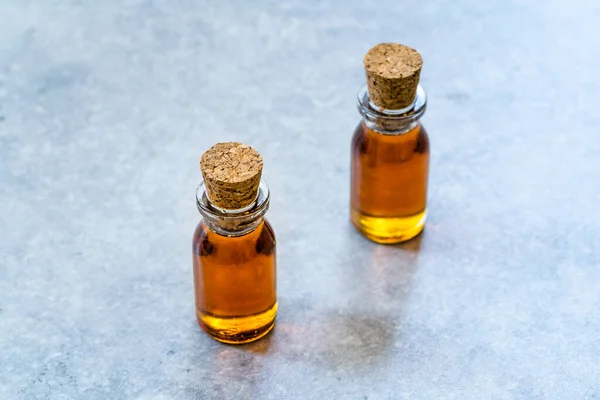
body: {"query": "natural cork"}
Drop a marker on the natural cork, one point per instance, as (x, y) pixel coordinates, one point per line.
(393, 72)
(231, 173)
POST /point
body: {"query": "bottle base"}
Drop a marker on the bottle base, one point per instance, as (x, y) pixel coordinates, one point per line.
(388, 230)
(239, 329)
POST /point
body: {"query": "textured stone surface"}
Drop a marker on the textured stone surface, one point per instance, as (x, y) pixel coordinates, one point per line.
(105, 108)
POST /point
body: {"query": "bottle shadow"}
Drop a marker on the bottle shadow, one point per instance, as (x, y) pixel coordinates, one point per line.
(374, 284)
(380, 276)
(231, 369)
(332, 339)
(356, 322)
(413, 245)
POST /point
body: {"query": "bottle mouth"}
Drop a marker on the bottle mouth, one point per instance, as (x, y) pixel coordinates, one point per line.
(232, 218)
(226, 210)
(372, 112)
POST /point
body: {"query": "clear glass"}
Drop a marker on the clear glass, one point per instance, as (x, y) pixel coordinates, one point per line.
(234, 257)
(390, 169)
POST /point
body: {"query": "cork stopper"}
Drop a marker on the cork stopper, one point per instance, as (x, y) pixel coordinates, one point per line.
(393, 72)
(231, 173)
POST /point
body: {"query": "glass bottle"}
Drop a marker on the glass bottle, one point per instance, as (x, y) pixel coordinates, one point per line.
(234, 261)
(389, 169)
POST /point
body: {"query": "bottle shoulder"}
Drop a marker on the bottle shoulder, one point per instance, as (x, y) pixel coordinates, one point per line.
(260, 241)
(364, 134)
(263, 231)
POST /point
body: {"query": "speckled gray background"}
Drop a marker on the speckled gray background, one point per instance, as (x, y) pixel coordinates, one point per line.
(106, 107)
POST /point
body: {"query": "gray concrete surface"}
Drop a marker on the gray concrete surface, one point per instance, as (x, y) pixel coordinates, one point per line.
(106, 107)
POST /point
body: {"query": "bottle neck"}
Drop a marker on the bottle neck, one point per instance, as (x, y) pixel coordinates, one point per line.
(233, 222)
(391, 122)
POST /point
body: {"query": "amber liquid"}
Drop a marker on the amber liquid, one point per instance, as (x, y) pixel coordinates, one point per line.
(235, 283)
(389, 183)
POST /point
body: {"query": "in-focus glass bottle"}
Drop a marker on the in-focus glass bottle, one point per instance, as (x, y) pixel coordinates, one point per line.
(390, 148)
(234, 248)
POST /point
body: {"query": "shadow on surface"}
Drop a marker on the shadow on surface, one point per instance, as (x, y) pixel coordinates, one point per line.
(262, 346)
(333, 339)
(229, 368)
(377, 277)
(342, 340)
(413, 245)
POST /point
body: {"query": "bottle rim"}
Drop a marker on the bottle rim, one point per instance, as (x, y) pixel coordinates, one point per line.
(254, 210)
(372, 112)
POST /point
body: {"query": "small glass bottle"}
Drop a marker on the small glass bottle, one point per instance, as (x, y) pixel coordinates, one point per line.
(234, 247)
(390, 148)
